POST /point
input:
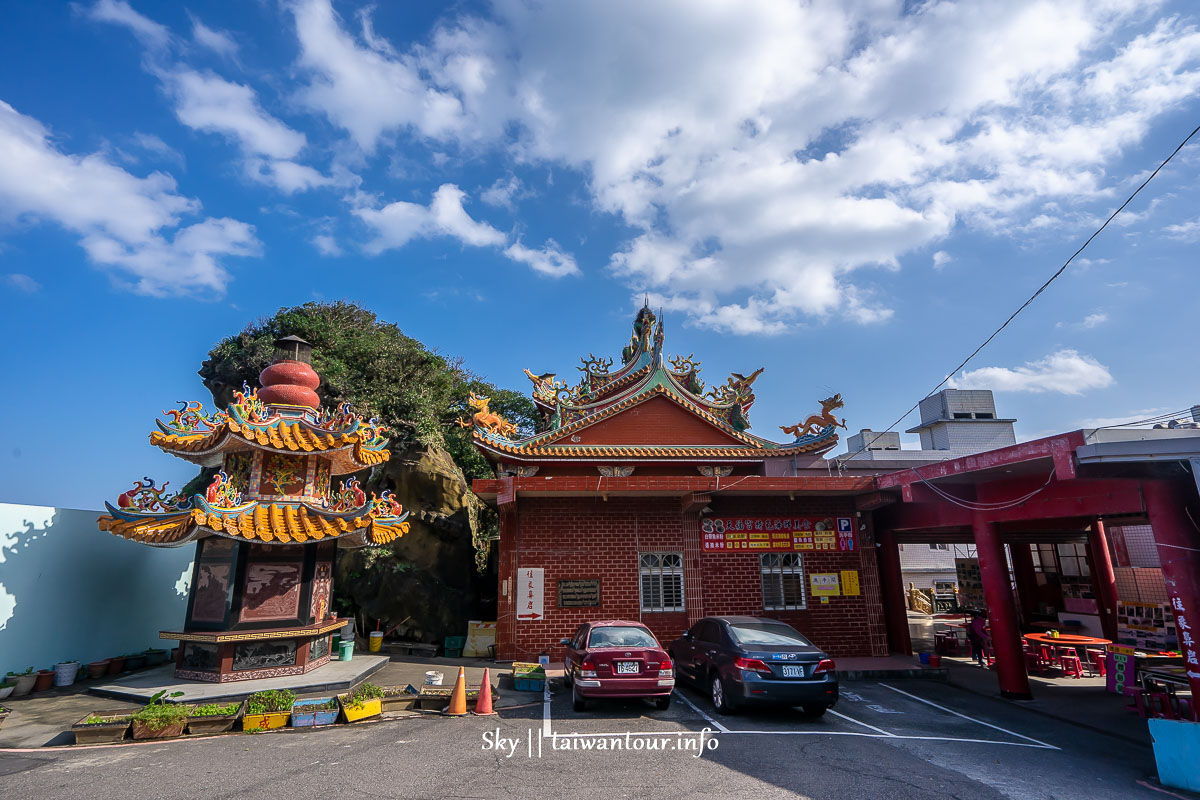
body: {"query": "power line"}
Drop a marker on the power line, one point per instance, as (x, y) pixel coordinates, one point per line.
(1032, 297)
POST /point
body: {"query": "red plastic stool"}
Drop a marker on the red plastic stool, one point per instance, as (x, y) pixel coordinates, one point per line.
(1071, 665)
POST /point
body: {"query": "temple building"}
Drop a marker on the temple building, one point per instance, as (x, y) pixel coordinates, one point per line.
(267, 527)
(645, 496)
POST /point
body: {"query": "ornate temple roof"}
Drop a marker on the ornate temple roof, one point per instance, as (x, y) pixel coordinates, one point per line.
(645, 375)
(377, 522)
(277, 451)
(350, 442)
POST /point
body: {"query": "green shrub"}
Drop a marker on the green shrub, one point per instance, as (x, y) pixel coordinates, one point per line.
(328, 704)
(94, 719)
(362, 693)
(216, 710)
(273, 701)
(162, 715)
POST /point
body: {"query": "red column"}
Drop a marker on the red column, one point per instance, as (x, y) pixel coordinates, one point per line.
(1179, 554)
(891, 586)
(1026, 580)
(1002, 611)
(1104, 579)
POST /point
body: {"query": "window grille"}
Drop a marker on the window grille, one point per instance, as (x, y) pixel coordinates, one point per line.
(782, 581)
(661, 581)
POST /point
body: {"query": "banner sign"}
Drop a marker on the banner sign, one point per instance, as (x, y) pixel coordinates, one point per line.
(531, 593)
(777, 534)
(824, 584)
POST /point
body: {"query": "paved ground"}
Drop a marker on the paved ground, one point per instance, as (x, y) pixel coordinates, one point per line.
(903, 739)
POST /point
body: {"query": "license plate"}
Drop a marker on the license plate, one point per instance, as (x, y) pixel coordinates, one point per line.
(793, 672)
(627, 667)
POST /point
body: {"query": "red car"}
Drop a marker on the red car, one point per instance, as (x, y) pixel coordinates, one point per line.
(617, 659)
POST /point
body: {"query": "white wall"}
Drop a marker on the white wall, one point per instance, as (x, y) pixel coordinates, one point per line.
(71, 591)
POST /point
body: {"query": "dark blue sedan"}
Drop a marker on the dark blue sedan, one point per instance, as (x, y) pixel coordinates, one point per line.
(743, 661)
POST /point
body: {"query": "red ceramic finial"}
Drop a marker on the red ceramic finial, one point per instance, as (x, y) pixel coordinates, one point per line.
(290, 380)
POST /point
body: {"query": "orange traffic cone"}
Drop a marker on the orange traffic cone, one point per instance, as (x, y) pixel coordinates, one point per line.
(458, 697)
(483, 706)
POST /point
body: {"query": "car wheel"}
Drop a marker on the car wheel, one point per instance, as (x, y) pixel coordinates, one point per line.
(567, 674)
(662, 703)
(577, 700)
(720, 698)
(815, 711)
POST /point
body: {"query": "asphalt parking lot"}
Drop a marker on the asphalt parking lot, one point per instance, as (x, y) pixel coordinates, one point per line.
(884, 739)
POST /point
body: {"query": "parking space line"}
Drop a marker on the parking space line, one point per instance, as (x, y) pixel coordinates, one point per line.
(546, 710)
(972, 719)
(697, 709)
(858, 722)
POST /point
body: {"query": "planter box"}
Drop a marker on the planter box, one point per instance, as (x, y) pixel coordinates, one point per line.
(365, 710)
(116, 666)
(143, 731)
(266, 722)
(44, 680)
(5, 691)
(135, 662)
(437, 698)
(65, 672)
(305, 716)
(24, 684)
(113, 730)
(97, 669)
(399, 702)
(156, 657)
(218, 724)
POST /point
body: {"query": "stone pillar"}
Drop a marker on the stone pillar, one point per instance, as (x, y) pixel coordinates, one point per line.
(1026, 579)
(1178, 544)
(1103, 579)
(891, 586)
(1002, 611)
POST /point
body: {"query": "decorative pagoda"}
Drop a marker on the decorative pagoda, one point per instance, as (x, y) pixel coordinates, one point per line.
(268, 525)
(711, 432)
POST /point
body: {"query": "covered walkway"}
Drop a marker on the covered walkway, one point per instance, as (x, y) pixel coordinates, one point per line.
(1059, 490)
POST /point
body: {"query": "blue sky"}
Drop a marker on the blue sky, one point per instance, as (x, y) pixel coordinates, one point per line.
(849, 194)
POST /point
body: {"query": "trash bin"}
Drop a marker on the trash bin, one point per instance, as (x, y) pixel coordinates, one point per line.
(376, 642)
(346, 651)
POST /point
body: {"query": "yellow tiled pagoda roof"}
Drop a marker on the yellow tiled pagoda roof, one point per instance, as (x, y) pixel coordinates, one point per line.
(259, 521)
(293, 437)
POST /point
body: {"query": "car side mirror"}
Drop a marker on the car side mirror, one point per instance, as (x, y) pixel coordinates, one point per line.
(565, 642)
(687, 635)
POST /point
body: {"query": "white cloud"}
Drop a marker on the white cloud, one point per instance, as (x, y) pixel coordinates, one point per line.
(941, 258)
(326, 245)
(549, 260)
(124, 222)
(151, 34)
(1133, 416)
(398, 223)
(1066, 372)
(364, 89)
(1184, 231)
(219, 42)
(502, 192)
(1093, 320)
(774, 150)
(22, 282)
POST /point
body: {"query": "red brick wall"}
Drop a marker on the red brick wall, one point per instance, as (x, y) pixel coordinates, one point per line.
(587, 537)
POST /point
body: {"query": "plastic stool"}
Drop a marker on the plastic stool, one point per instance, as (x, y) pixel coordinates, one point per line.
(1071, 665)
(1096, 662)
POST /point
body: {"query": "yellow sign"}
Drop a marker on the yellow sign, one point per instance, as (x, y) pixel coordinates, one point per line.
(850, 582)
(824, 584)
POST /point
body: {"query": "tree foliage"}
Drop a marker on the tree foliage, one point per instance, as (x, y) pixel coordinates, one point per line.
(413, 389)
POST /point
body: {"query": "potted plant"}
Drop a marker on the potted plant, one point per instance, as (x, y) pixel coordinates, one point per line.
(268, 710)
(116, 665)
(159, 719)
(362, 702)
(7, 686)
(65, 672)
(213, 717)
(44, 680)
(102, 727)
(97, 669)
(155, 656)
(135, 661)
(24, 681)
(315, 711)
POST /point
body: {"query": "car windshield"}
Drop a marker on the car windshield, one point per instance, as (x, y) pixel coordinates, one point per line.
(766, 634)
(621, 636)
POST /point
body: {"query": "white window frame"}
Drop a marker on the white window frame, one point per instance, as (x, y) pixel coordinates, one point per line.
(655, 571)
(773, 567)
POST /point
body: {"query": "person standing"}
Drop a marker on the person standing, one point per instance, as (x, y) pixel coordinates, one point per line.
(977, 636)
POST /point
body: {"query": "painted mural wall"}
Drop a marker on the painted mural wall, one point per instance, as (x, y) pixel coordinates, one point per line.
(69, 591)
